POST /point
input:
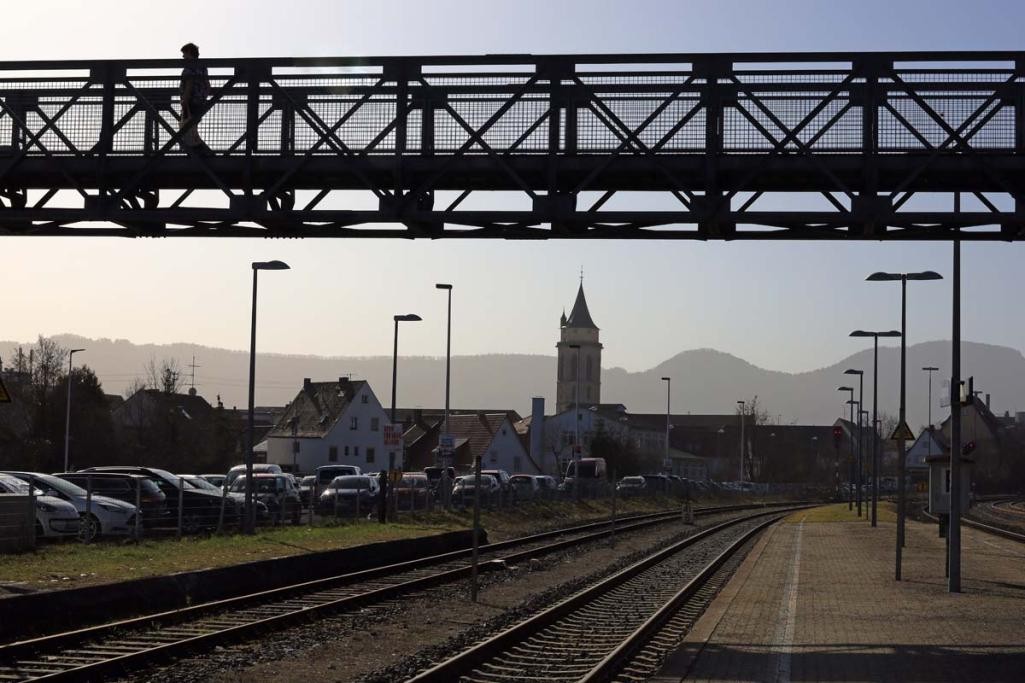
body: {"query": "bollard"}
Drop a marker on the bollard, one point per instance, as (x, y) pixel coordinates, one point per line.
(359, 494)
(138, 510)
(181, 506)
(314, 500)
(613, 536)
(88, 508)
(335, 499)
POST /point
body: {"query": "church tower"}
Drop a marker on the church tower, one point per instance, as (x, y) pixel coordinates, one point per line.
(578, 330)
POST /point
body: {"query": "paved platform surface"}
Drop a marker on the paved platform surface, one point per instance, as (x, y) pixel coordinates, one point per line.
(816, 601)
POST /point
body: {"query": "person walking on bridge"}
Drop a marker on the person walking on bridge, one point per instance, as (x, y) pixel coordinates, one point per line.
(194, 89)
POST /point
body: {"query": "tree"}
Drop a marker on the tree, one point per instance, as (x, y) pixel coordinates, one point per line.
(166, 377)
(753, 415)
(134, 387)
(92, 433)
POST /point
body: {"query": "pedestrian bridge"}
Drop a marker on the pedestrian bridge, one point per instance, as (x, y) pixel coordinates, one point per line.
(878, 146)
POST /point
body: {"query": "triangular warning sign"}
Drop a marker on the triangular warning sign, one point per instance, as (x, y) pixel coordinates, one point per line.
(4, 396)
(902, 433)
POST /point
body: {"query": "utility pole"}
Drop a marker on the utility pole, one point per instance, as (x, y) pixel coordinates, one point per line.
(743, 414)
(193, 366)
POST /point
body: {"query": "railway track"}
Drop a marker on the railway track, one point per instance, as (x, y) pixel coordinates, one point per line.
(618, 628)
(97, 651)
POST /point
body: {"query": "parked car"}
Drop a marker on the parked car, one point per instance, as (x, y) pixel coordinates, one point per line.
(201, 508)
(326, 473)
(503, 483)
(463, 491)
(198, 481)
(342, 493)
(592, 475)
(258, 468)
(277, 492)
(631, 486)
(218, 480)
(306, 487)
(101, 515)
(526, 486)
(128, 488)
(412, 491)
(55, 518)
(547, 485)
(434, 475)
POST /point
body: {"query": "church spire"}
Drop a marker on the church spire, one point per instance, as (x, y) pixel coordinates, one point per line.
(580, 317)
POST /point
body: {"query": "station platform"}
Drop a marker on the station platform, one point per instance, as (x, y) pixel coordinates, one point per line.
(816, 600)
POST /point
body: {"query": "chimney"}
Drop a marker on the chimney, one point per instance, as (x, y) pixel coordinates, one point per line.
(418, 415)
(537, 429)
(343, 384)
(987, 401)
(306, 383)
(192, 391)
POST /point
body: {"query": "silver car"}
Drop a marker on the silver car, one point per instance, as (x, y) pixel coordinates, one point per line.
(101, 516)
(55, 518)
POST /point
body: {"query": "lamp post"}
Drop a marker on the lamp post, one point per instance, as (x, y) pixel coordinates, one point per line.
(743, 411)
(850, 469)
(67, 415)
(901, 445)
(666, 465)
(861, 396)
(875, 406)
(448, 367)
(408, 318)
(576, 425)
(928, 444)
(250, 511)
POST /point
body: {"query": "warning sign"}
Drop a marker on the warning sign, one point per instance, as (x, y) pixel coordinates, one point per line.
(4, 396)
(902, 433)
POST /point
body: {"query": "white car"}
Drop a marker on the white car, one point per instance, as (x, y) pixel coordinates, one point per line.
(105, 516)
(55, 518)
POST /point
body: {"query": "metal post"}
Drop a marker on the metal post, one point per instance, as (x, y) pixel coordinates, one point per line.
(666, 465)
(88, 508)
(394, 371)
(743, 414)
(67, 414)
(220, 513)
(612, 538)
(901, 445)
(314, 498)
(576, 427)
(861, 436)
(476, 528)
(32, 515)
(181, 506)
(875, 434)
(850, 460)
(249, 525)
(954, 531)
(138, 510)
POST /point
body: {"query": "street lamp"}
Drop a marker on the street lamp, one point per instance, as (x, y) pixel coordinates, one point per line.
(875, 414)
(850, 469)
(928, 443)
(861, 396)
(448, 370)
(743, 414)
(67, 416)
(250, 511)
(901, 445)
(666, 465)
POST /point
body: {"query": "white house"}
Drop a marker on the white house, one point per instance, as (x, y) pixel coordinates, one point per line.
(333, 423)
(560, 431)
(493, 437)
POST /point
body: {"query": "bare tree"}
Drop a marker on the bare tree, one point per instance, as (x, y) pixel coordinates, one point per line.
(753, 415)
(134, 387)
(165, 377)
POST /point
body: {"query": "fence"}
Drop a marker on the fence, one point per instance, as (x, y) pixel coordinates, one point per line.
(17, 523)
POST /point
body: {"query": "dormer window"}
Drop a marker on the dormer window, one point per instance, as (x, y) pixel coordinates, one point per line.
(354, 423)
(364, 398)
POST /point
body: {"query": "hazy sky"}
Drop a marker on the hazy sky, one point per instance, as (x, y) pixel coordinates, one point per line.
(780, 306)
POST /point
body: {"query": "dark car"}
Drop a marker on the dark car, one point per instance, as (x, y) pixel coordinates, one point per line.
(201, 509)
(412, 491)
(129, 488)
(434, 475)
(350, 494)
(631, 486)
(463, 491)
(307, 485)
(504, 483)
(277, 491)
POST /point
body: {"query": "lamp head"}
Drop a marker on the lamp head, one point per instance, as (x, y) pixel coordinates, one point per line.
(442, 286)
(845, 388)
(74, 351)
(883, 277)
(666, 379)
(850, 371)
(931, 369)
(408, 318)
(270, 265)
(924, 275)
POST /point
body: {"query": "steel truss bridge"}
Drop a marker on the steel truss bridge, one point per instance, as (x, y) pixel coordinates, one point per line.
(880, 146)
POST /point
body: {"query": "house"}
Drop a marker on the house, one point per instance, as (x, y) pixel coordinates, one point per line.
(999, 446)
(492, 437)
(333, 422)
(930, 443)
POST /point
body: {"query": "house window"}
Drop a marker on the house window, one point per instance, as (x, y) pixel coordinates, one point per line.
(364, 398)
(355, 451)
(370, 455)
(375, 424)
(354, 423)
(332, 454)
(346, 451)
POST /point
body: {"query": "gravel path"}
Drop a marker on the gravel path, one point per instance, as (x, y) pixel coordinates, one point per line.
(389, 641)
